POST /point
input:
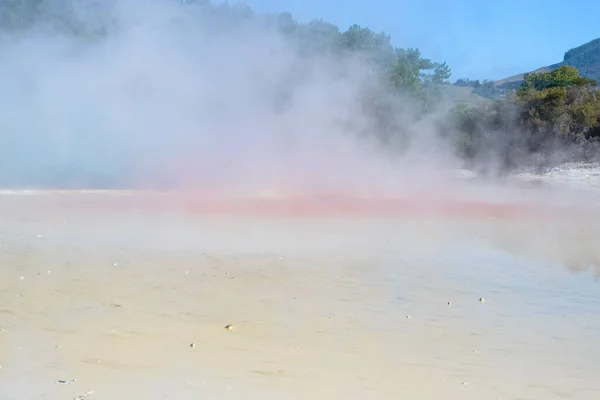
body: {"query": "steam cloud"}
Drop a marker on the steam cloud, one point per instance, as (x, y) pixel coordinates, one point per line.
(170, 97)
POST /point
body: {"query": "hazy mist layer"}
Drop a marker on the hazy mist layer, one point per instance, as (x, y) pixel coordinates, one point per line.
(170, 98)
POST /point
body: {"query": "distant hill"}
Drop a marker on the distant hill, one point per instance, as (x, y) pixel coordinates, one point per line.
(452, 95)
(586, 58)
(519, 78)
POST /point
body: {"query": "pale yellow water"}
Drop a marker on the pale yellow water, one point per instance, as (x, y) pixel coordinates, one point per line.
(319, 307)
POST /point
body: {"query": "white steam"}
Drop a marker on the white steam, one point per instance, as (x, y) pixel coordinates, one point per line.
(169, 98)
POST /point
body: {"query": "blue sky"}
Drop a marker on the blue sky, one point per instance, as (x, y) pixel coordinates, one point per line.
(478, 38)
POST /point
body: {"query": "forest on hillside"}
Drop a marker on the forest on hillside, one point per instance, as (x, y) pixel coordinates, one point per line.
(552, 117)
(586, 58)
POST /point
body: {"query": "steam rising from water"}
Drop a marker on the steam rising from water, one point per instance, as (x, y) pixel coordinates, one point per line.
(169, 98)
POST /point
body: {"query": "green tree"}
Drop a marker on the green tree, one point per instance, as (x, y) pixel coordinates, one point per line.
(441, 73)
(563, 76)
(318, 37)
(409, 68)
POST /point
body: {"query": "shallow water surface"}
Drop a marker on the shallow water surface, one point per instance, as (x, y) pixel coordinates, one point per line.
(321, 307)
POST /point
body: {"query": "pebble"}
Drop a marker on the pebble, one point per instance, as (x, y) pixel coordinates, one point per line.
(481, 299)
(229, 327)
(192, 345)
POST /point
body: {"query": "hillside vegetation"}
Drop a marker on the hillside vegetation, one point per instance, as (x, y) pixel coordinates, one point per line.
(585, 58)
(553, 117)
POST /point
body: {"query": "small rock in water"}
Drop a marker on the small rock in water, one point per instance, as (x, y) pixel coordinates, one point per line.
(229, 327)
(481, 299)
(449, 303)
(408, 317)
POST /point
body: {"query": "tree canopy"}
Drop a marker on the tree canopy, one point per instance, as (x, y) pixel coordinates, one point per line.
(553, 116)
(563, 76)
